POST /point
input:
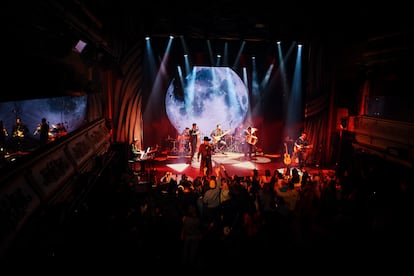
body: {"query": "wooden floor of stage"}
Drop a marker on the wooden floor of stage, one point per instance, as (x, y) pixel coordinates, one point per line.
(235, 163)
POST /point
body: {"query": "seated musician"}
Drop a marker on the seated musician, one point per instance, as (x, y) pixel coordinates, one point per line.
(136, 149)
(217, 135)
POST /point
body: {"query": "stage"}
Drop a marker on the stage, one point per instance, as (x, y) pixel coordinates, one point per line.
(235, 163)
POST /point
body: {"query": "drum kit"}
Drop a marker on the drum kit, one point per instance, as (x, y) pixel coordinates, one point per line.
(181, 144)
(234, 143)
(57, 131)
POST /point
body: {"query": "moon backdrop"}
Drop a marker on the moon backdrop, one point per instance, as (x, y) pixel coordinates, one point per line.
(209, 96)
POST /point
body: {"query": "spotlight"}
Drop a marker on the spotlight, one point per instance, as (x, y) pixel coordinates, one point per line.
(80, 46)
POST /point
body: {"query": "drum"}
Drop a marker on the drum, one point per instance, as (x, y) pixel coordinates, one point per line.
(183, 143)
(229, 140)
(251, 139)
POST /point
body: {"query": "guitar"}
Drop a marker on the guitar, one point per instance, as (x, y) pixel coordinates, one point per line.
(302, 148)
(18, 133)
(286, 158)
(218, 137)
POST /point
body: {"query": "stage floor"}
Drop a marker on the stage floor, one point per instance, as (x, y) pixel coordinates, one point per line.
(234, 163)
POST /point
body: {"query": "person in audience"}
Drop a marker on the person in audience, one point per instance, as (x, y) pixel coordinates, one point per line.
(190, 235)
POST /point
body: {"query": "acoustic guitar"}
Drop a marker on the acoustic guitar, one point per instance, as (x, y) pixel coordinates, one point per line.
(286, 158)
(302, 148)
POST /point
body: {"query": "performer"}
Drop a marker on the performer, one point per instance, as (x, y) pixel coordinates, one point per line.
(183, 140)
(144, 157)
(136, 150)
(194, 140)
(43, 131)
(19, 129)
(218, 138)
(3, 135)
(239, 138)
(19, 132)
(300, 149)
(251, 140)
(205, 151)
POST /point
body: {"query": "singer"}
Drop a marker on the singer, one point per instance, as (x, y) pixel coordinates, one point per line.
(204, 151)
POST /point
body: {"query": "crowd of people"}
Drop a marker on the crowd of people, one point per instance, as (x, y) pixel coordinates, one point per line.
(238, 217)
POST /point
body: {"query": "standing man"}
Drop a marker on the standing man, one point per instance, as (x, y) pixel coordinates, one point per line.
(3, 135)
(44, 132)
(251, 140)
(20, 133)
(194, 138)
(3, 151)
(300, 149)
(204, 151)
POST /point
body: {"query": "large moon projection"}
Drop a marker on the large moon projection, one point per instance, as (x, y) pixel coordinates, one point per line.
(209, 96)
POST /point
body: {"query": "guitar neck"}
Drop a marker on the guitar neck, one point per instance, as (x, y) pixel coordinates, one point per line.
(302, 147)
(218, 137)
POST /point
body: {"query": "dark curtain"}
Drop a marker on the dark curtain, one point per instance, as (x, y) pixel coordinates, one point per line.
(320, 110)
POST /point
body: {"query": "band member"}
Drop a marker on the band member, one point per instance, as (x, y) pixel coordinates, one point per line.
(19, 129)
(20, 133)
(183, 140)
(300, 149)
(44, 132)
(194, 140)
(57, 131)
(3, 135)
(239, 134)
(251, 140)
(136, 149)
(205, 151)
(141, 156)
(218, 138)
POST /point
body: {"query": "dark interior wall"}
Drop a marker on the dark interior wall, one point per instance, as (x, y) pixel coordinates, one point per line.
(40, 62)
